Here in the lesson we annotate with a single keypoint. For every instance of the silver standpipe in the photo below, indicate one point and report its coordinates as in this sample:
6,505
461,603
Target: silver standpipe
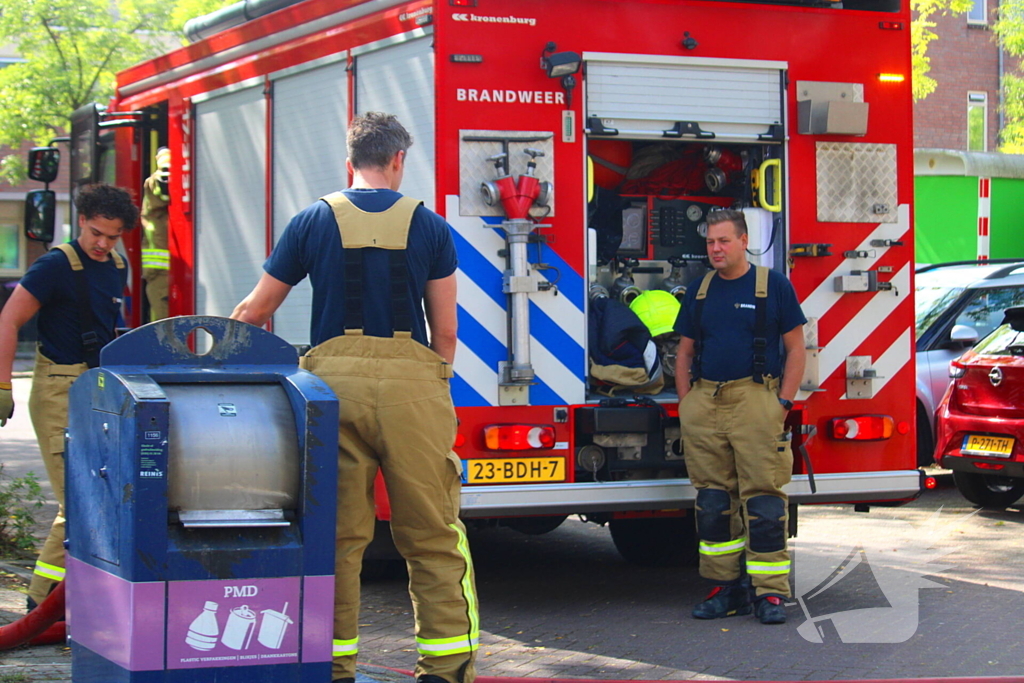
519,284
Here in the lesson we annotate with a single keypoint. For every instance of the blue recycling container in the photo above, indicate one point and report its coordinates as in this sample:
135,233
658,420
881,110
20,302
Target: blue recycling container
201,469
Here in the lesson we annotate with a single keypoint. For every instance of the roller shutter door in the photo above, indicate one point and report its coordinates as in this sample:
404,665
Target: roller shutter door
310,119
231,242
645,96
399,80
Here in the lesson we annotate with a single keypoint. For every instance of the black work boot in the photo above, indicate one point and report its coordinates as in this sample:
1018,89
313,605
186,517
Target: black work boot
770,609
430,678
724,601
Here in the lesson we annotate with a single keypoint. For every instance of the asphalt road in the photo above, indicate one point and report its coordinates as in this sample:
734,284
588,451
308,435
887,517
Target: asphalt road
943,597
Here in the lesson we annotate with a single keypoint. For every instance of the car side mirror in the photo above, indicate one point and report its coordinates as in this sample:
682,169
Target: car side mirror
43,164
40,215
963,336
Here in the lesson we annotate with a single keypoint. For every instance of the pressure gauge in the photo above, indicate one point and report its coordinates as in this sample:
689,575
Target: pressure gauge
702,229
694,213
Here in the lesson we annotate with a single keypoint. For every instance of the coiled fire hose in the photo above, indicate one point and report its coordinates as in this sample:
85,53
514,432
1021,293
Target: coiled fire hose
41,626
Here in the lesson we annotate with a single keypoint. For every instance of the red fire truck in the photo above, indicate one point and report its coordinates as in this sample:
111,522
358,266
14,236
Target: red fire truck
526,116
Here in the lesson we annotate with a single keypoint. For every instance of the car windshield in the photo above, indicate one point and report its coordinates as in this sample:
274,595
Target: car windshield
1004,341
930,302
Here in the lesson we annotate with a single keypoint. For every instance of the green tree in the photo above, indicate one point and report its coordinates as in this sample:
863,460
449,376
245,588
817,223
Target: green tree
73,51
922,33
1009,27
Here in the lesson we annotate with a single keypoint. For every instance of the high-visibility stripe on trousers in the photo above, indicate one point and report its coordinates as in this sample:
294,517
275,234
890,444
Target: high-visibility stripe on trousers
739,458
49,571
723,548
156,258
396,417
345,648
48,407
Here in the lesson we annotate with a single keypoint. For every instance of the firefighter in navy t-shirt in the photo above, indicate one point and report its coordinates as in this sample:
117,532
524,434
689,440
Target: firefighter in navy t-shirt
76,288
732,325
376,260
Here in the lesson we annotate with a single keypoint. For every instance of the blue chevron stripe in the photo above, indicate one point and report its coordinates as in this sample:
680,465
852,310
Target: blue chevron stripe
464,395
477,339
555,339
479,269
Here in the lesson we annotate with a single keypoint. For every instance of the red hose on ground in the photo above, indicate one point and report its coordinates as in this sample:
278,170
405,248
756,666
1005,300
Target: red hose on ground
38,627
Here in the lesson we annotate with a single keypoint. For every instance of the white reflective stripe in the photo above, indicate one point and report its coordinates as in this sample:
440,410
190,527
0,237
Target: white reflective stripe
49,571
723,548
438,647
767,567
343,648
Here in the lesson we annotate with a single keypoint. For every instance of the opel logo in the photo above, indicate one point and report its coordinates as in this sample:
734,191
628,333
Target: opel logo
996,377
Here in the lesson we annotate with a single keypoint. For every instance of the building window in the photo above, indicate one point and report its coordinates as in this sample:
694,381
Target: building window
12,250
977,121
977,14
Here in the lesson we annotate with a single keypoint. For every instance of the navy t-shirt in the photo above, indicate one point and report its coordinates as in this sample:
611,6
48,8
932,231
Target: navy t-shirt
728,324
55,285
311,245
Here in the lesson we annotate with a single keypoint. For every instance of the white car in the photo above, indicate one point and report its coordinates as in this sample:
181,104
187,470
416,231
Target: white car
955,304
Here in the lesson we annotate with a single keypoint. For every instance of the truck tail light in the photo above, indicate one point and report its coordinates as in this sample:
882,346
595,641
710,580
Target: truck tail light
518,437
957,369
862,427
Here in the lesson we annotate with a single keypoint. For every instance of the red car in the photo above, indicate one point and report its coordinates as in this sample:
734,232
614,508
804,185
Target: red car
980,421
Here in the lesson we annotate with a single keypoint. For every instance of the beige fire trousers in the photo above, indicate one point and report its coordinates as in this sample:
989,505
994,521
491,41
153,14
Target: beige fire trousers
738,457
396,415
48,407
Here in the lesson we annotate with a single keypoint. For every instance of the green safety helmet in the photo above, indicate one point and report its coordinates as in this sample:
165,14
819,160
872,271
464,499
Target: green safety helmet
657,309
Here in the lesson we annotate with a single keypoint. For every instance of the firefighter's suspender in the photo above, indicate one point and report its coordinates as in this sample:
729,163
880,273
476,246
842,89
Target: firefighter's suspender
387,230
698,317
760,322
86,319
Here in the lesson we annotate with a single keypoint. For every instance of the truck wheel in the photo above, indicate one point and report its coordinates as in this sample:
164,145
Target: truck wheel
656,541
535,526
925,440
989,490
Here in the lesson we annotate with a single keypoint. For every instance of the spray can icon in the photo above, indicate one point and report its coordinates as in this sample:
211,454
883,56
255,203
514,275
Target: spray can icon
238,630
203,631
273,627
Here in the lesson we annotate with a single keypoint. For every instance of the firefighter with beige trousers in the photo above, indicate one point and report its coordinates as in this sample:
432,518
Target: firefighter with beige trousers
382,268
734,324
77,289
156,258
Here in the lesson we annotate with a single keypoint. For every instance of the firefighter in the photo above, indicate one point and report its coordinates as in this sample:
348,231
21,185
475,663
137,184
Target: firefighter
376,260
155,256
733,324
76,288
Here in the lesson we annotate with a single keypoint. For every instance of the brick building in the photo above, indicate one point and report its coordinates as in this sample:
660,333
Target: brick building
964,111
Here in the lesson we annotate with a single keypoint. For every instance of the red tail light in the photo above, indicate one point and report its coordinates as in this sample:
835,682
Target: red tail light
519,437
957,369
862,427
989,465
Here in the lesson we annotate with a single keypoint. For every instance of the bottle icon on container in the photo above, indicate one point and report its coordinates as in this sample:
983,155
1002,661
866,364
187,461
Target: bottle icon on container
203,631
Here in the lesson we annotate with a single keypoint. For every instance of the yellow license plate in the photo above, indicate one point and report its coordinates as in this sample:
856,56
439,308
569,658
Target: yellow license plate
514,470
979,444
